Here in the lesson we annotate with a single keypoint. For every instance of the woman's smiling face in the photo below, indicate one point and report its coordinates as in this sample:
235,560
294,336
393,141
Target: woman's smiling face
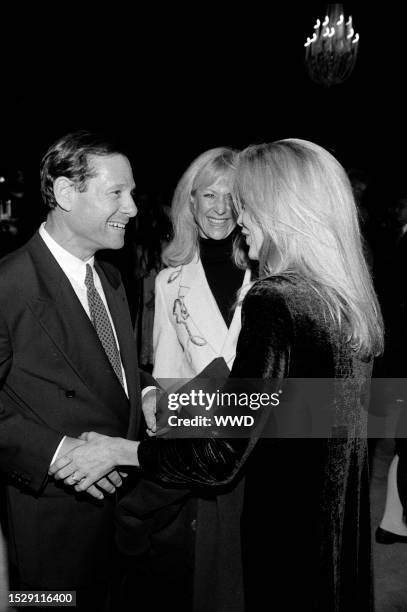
213,210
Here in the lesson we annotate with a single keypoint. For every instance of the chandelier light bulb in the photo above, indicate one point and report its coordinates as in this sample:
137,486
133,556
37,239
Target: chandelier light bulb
331,52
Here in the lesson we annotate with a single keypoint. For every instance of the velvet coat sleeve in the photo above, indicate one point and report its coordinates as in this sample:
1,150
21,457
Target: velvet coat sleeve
263,352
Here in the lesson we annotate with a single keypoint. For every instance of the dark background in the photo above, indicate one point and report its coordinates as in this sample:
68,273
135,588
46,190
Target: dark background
172,82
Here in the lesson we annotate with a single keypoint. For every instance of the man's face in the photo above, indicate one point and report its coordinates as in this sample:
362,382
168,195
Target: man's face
99,215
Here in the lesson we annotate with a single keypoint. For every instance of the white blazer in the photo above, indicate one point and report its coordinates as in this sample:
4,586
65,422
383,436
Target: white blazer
189,330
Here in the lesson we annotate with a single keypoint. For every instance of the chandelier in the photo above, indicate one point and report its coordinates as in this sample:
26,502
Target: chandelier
331,51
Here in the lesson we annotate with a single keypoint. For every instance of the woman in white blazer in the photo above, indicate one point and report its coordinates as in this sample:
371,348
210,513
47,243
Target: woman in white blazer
197,310
197,318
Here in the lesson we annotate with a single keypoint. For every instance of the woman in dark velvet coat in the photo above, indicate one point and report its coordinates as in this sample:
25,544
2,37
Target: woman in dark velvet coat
294,530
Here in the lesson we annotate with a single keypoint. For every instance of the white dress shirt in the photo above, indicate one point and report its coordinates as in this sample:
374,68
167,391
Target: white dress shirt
75,270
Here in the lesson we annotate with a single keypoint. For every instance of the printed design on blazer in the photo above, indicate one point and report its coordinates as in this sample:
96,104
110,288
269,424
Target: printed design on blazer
174,275
181,314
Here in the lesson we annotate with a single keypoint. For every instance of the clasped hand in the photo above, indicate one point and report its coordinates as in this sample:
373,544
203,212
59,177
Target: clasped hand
89,466
89,463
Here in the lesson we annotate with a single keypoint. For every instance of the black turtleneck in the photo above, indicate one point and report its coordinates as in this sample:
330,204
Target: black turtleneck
224,278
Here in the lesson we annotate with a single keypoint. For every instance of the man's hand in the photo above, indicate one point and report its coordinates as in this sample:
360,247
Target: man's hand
94,462
149,406
83,470
67,447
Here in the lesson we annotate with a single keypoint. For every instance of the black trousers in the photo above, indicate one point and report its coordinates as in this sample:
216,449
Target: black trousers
162,577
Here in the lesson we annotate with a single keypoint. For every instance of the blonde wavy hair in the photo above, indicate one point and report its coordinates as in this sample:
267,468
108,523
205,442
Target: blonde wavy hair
204,171
301,197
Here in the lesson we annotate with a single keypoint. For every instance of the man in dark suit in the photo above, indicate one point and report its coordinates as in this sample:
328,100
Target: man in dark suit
68,364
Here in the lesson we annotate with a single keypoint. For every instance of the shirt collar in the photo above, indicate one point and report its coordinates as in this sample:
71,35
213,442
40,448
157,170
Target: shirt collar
70,264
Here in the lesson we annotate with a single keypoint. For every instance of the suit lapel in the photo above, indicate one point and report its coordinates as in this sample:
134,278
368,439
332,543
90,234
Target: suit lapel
229,347
63,318
117,302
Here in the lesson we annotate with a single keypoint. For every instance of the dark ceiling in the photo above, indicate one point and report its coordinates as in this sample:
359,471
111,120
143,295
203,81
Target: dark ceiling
172,88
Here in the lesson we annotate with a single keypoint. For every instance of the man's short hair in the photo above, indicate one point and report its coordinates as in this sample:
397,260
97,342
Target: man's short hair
69,156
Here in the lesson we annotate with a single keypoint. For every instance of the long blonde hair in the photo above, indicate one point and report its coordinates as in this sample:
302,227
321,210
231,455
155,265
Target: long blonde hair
301,197
203,171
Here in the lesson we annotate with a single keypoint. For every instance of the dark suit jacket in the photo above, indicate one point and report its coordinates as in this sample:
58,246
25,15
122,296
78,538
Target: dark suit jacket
55,379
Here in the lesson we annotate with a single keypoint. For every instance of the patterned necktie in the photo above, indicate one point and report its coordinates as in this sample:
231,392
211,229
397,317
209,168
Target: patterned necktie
101,323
